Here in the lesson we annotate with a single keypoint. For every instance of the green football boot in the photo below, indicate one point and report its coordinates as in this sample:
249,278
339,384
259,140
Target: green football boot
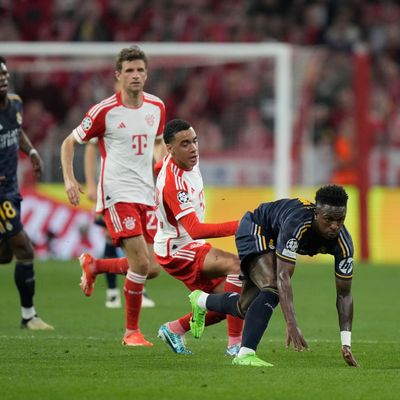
198,317
250,360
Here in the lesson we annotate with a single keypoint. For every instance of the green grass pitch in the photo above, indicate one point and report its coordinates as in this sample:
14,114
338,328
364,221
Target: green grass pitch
84,359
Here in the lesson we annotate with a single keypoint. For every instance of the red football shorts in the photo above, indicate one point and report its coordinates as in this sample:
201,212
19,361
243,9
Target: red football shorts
124,220
186,265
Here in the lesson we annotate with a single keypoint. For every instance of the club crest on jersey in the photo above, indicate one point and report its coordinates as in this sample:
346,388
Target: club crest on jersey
149,119
183,197
9,226
129,223
346,266
86,123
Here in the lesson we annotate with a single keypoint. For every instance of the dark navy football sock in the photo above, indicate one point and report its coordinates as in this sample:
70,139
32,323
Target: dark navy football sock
111,280
225,303
24,277
110,251
257,318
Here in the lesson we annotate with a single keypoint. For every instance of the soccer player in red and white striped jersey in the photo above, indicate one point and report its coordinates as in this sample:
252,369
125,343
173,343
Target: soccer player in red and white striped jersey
179,243
129,128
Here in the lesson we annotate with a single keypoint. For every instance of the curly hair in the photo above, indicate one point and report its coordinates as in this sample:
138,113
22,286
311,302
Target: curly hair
332,195
173,127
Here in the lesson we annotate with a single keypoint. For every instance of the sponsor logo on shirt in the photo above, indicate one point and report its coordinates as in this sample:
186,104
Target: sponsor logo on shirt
183,197
129,223
9,138
86,123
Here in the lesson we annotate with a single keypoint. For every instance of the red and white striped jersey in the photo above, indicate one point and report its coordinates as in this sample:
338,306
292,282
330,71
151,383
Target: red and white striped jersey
178,193
126,138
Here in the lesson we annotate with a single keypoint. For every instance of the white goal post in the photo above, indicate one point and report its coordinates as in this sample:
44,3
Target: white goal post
226,52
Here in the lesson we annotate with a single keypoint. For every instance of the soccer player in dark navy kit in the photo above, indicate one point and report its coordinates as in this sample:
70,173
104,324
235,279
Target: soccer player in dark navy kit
268,241
13,239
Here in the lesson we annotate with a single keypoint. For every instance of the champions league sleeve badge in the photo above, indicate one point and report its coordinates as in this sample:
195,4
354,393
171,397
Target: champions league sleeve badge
183,197
86,124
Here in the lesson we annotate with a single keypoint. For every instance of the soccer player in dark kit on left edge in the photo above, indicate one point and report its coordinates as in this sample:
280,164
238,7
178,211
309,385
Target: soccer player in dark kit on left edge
14,241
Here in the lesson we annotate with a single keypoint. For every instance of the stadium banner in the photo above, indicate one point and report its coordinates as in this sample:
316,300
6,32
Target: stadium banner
384,221
59,230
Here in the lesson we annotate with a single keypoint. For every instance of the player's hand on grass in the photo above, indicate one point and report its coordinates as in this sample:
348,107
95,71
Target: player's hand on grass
73,190
348,357
294,335
37,164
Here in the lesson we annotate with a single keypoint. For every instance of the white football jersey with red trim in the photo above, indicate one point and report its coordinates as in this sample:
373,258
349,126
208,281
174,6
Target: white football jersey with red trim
126,139
178,193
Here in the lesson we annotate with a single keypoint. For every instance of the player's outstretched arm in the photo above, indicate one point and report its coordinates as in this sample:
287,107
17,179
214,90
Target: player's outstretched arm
27,147
344,305
284,272
200,230
72,187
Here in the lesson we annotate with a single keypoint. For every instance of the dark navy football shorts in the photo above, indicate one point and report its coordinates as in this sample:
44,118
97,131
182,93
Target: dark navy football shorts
249,239
10,217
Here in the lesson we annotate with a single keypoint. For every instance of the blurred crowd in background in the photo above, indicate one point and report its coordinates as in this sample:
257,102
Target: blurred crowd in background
232,106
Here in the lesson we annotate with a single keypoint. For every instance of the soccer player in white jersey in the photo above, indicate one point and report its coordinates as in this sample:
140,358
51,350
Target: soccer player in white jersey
129,128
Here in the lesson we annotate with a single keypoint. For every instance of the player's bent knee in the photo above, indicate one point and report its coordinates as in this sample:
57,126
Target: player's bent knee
233,266
154,271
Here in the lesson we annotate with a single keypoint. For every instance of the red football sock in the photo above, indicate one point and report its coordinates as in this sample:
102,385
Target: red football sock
181,325
133,290
112,265
235,324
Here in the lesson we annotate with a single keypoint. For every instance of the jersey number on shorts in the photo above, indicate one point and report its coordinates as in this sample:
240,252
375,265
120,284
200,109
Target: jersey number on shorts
151,221
7,210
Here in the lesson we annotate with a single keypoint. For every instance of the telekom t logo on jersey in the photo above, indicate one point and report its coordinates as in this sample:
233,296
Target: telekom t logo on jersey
139,143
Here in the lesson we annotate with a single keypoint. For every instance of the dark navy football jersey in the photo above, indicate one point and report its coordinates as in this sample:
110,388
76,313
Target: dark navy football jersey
286,227
10,126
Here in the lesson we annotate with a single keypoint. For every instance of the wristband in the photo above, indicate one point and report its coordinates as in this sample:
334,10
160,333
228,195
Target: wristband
32,152
345,337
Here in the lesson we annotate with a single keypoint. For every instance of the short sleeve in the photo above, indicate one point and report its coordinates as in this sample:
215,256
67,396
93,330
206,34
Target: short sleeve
91,126
177,198
344,255
287,242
